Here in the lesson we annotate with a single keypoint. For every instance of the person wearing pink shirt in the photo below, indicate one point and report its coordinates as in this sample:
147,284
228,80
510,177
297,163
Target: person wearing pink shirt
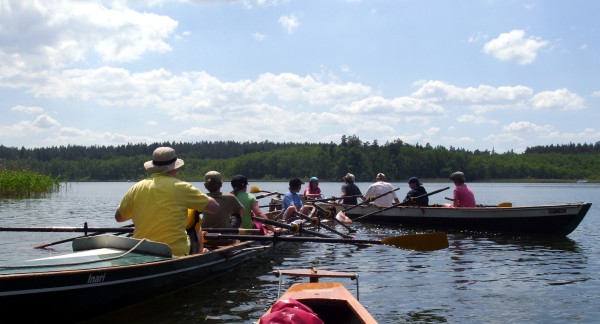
463,195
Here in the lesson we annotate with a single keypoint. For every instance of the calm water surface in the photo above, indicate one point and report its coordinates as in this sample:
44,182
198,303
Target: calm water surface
481,277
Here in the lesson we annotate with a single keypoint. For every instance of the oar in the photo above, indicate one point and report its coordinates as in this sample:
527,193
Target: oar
255,189
396,205
267,195
370,199
128,227
348,228
317,221
332,198
269,205
502,204
416,242
294,227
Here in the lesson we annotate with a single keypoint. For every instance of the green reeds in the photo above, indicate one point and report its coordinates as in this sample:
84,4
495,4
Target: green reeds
26,184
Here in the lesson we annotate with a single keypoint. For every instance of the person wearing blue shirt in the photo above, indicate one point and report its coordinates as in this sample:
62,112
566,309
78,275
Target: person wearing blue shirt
292,202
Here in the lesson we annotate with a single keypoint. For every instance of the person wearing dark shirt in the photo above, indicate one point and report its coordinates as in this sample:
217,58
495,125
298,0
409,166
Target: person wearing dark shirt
416,190
349,189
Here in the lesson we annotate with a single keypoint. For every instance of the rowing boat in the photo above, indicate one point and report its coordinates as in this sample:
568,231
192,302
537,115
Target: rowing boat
316,302
558,219
108,272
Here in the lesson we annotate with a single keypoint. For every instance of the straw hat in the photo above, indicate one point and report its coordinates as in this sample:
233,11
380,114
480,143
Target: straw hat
164,159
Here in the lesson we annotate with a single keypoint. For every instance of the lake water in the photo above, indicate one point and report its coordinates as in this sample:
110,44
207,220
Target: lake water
481,277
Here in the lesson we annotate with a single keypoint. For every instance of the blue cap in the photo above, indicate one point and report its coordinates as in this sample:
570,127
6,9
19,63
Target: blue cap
314,179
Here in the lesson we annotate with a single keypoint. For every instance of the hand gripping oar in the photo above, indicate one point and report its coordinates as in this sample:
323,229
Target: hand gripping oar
294,227
369,200
317,221
396,205
415,242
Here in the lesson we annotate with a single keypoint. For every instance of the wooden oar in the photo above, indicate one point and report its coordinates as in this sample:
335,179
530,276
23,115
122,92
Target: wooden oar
255,189
369,200
332,198
317,221
348,228
294,227
122,230
396,205
270,205
415,242
128,227
267,195
115,229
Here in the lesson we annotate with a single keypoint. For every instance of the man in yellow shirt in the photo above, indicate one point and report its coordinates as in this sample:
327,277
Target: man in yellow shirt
158,205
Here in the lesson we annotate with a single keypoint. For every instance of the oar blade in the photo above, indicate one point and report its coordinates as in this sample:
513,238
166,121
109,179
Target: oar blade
419,242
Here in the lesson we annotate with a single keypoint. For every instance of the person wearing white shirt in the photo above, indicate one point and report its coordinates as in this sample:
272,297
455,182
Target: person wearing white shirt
379,188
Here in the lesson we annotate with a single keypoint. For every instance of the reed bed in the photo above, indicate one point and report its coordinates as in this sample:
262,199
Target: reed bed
26,184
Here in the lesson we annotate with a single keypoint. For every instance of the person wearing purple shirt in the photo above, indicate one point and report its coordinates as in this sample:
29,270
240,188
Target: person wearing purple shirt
463,195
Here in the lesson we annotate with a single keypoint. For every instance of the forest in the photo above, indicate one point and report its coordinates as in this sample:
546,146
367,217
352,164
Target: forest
270,161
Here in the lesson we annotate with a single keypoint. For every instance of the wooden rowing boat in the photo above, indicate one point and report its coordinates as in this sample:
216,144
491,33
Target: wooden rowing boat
559,219
329,302
107,272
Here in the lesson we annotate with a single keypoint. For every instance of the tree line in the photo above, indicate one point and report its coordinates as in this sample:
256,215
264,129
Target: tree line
329,161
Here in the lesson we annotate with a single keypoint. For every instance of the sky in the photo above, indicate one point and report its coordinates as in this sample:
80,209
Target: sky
477,75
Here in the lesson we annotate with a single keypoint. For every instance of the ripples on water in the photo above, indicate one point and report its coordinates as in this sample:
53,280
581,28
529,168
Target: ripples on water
481,277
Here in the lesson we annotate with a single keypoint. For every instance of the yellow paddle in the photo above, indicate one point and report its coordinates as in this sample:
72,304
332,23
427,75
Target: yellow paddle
255,189
419,242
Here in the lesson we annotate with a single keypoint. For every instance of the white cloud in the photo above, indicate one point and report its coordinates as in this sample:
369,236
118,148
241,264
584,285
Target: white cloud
56,34
259,36
458,141
28,109
561,99
440,91
432,131
477,37
289,23
527,127
474,119
515,46
27,128
381,105
503,138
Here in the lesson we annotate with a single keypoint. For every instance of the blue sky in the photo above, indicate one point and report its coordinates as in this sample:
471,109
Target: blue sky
478,75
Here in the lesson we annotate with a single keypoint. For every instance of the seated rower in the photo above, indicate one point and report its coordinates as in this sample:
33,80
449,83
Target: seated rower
313,191
228,215
292,202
